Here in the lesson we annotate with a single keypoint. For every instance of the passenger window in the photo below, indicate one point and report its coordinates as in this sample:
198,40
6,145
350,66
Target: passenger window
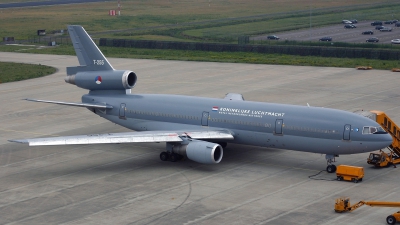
385,122
389,126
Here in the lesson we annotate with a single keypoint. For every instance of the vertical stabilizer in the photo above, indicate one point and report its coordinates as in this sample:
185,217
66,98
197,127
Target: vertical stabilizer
89,55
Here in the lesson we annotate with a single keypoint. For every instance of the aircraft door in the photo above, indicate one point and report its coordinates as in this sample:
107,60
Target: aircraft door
346,132
122,111
204,119
278,126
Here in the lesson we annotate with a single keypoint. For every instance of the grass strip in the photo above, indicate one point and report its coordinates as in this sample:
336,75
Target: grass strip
230,57
10,72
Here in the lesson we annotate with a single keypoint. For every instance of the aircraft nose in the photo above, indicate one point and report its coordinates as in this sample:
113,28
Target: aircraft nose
387,139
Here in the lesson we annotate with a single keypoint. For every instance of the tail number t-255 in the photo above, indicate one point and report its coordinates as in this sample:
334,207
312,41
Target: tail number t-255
98,62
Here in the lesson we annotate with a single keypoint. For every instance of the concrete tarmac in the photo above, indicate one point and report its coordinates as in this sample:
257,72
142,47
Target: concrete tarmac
128,184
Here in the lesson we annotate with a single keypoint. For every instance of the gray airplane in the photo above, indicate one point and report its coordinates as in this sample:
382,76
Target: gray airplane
199,128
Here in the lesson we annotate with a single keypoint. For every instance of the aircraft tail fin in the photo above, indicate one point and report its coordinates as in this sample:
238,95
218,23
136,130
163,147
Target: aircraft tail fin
89,55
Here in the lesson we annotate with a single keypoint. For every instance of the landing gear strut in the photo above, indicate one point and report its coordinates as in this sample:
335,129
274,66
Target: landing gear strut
329,160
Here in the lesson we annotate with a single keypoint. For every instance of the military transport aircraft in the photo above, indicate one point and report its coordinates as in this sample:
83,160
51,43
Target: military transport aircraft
199,128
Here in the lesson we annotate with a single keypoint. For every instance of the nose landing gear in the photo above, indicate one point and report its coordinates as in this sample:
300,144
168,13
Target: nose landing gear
330,159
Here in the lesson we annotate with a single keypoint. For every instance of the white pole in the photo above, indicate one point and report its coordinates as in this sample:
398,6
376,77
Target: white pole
119,8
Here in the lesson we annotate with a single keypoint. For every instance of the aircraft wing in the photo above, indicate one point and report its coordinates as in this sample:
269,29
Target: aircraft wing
128,137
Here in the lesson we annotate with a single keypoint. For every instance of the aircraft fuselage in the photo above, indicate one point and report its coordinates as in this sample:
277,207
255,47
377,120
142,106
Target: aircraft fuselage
301,128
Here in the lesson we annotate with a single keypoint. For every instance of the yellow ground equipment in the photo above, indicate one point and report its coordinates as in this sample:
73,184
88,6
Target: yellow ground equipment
350,173
364,68
383,159
396,70
343,205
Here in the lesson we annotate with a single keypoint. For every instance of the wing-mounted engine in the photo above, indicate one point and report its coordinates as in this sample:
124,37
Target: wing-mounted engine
103,80
200,151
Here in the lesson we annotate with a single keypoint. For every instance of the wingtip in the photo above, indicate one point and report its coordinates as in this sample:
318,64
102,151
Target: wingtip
23,141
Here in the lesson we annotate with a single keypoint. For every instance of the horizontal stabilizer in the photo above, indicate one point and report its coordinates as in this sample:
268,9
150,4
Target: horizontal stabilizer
97,106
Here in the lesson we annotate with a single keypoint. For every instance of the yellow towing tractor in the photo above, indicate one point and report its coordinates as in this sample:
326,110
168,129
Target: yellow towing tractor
383,159
343,205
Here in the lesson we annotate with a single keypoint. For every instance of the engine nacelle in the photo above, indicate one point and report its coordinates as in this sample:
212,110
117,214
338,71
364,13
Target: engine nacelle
103,80
204,152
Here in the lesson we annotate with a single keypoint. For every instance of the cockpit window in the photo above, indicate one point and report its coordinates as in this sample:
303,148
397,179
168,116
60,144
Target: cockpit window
373,130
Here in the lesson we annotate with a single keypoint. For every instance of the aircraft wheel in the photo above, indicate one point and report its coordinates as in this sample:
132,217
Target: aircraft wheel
391,220
173,157
331,168
164,156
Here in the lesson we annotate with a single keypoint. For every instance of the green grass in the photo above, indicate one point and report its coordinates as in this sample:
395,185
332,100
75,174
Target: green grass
233,20
232,57
10,72
22,23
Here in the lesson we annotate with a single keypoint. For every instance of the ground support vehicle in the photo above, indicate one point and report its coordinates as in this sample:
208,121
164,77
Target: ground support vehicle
364,67
343,205
349,173
383,159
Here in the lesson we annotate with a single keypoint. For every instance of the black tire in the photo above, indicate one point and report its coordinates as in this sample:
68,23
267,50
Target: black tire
173,157
339,178
164,156
331,168
360,179
355,180
391,220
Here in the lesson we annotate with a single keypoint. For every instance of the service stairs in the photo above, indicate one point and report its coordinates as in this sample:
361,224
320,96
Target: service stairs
387,124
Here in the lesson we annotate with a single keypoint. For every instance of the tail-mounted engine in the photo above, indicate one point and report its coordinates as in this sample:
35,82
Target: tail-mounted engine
103,80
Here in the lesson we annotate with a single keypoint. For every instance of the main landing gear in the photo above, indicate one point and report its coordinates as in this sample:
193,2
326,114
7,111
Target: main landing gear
329,160
173,157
